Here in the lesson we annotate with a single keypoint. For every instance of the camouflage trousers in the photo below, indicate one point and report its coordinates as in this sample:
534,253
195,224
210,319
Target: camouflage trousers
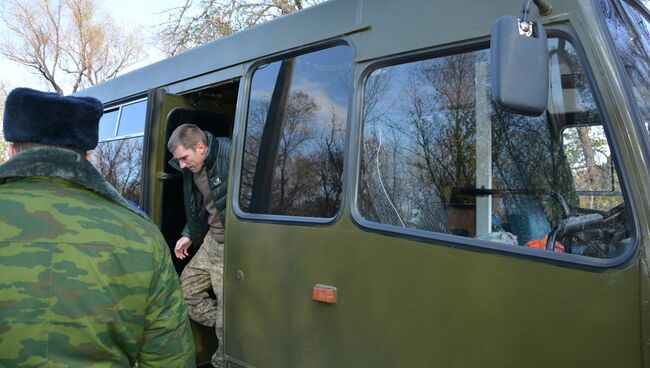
205,271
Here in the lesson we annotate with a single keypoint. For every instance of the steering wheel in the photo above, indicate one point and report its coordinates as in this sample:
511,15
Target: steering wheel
571,225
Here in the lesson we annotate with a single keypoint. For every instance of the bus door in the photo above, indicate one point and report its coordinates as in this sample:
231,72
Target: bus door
288,201
212,109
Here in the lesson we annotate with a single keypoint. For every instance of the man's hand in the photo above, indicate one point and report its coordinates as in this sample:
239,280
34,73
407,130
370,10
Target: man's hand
181,247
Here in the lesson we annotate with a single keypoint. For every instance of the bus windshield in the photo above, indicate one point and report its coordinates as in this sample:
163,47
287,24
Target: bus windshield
630,31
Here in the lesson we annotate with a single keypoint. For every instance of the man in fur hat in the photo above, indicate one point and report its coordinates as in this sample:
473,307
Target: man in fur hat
84,279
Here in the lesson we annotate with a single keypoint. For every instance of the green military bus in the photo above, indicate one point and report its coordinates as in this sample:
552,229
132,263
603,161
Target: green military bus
401,194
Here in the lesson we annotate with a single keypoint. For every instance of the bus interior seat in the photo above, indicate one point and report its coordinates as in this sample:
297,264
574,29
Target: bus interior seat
526,218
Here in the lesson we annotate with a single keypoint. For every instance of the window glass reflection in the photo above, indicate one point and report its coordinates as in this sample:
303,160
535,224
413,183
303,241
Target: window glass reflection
437,156
631,35
293,151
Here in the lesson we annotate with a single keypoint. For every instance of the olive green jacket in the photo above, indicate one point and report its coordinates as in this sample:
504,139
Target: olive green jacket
216,164
84,280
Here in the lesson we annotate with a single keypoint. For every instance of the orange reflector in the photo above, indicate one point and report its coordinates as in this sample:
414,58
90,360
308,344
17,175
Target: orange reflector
324,293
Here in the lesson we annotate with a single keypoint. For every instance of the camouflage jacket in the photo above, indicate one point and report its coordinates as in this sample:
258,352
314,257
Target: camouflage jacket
84,280
217,163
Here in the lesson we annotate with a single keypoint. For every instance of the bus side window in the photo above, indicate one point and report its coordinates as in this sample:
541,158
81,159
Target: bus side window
295,133
438,157
118,156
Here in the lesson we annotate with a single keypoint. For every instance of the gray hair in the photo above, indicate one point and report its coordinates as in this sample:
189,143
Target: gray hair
22,146
186,135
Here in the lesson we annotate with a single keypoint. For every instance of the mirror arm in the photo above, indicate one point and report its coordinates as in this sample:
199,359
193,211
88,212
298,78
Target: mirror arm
543,6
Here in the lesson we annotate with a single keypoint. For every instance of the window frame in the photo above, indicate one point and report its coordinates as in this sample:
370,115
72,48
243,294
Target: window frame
243,126
119,108
117,119
564,31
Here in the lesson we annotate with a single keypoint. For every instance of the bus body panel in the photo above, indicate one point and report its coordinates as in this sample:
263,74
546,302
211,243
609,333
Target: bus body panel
406,303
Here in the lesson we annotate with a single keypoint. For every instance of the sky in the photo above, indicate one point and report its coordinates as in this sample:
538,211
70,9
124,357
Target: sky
126,13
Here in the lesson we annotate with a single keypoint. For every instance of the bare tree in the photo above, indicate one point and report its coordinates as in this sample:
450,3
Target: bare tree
296,132
196,22
120,163
329,161
293,175
67,42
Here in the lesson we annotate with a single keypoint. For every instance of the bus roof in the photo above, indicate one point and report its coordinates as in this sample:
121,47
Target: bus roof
397,26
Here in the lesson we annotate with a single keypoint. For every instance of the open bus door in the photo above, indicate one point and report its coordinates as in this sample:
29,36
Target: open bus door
212,109
160,105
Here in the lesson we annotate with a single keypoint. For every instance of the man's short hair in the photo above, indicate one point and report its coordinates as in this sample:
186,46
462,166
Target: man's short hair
186,135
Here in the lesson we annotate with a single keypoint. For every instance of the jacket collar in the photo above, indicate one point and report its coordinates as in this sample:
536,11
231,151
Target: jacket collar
210,157
59,163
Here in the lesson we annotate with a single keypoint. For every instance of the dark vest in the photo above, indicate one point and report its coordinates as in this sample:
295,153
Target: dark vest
217,164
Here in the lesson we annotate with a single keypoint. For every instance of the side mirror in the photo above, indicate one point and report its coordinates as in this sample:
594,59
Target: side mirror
519,58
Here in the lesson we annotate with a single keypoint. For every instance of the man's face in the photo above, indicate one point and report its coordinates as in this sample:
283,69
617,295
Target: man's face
191,158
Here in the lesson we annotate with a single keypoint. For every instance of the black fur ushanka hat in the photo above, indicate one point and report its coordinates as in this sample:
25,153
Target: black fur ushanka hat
47,118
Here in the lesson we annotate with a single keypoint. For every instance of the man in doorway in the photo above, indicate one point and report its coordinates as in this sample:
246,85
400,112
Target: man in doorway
204,161
84,279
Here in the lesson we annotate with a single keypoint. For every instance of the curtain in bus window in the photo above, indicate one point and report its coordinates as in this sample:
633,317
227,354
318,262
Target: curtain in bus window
293,150
438,157
630,32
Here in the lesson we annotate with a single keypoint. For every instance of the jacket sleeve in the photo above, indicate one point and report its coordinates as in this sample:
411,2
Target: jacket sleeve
186,231
167,339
